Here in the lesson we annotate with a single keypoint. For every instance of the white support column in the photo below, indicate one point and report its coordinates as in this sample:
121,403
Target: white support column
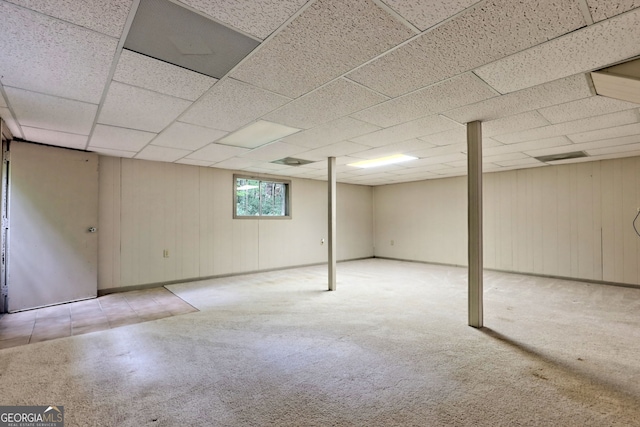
331,182
474,174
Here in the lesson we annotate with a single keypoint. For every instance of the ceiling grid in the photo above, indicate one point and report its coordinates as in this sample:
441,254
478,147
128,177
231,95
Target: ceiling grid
355,80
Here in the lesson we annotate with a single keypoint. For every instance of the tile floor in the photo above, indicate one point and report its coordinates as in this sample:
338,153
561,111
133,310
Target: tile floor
106,312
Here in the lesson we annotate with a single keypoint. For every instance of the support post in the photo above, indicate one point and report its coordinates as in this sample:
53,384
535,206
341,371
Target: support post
331,181
474,189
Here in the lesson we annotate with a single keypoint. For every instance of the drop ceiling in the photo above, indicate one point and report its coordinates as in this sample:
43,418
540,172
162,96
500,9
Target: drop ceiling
360,79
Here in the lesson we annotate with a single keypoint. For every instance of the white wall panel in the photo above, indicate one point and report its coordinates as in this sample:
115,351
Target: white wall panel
425,221
571,220
148,207
109,221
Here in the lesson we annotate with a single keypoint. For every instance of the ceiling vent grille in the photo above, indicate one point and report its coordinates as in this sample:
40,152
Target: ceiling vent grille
171,33
561,156
290,161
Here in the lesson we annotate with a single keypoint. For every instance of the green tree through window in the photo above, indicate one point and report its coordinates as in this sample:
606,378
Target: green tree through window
255,197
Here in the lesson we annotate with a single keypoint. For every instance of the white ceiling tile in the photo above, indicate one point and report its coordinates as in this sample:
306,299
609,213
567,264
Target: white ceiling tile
113,153
588,107
257,17
161,154
456,135
60,139
601,143
334,150
603,9
615,149
46,55
234,163
273,167
333,101
426,14
584,50
136,108
12,124
331,132
498,158
584,146
193,162
517,165
588,124
402,132
458,91
459,164
611,132
397,148
217,153
515,123
445,158
458,171
274,151
159,76
476,37
556,92
440,151
525,146
49,112
187,136
325,41
116,138
231,104
107,17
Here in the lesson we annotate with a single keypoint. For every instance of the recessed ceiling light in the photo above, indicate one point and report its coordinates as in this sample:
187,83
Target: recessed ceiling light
257,134
396,158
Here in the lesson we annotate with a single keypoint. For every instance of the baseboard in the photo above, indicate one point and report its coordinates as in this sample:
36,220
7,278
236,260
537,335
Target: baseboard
547,276
107,291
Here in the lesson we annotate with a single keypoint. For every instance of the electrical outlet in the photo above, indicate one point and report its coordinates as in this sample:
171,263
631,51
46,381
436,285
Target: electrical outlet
165,253
393,242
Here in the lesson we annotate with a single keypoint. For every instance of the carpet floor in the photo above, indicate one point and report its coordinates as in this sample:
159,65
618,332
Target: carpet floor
391,347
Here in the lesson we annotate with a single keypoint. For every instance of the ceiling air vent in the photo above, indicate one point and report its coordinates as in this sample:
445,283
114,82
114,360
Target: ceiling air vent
171,33
561,156
290,161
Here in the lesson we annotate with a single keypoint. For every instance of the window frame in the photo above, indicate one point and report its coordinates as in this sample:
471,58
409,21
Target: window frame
260,180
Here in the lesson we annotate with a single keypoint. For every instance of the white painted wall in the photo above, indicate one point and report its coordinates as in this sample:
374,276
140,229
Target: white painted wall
146,207
570,220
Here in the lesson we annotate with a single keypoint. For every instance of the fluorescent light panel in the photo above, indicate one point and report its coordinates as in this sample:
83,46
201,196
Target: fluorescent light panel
396,158
257,134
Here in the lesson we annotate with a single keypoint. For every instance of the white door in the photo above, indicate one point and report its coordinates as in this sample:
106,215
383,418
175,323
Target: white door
53,204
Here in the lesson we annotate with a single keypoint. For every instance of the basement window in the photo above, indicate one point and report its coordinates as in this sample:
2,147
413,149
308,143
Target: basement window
257,197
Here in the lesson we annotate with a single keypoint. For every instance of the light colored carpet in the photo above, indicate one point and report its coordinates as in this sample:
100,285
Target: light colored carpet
389,348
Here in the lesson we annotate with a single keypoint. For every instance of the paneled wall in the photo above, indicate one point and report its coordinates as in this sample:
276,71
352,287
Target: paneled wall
570,220
147,207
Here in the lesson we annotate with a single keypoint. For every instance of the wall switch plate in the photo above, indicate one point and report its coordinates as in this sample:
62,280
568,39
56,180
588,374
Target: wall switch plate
165,253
